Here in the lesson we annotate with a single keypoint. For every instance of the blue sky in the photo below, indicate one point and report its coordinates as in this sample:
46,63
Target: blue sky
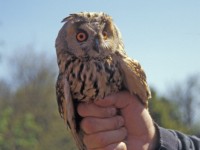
163,35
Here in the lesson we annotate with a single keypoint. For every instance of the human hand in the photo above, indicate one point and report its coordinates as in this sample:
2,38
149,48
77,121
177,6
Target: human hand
104,129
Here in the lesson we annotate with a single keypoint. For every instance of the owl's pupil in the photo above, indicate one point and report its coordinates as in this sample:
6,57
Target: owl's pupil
105,35
81,36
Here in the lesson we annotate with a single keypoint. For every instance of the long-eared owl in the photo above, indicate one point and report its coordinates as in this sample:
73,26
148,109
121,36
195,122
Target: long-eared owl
93,64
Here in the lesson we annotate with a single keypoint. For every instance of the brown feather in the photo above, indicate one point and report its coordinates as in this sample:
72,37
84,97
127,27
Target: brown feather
134,78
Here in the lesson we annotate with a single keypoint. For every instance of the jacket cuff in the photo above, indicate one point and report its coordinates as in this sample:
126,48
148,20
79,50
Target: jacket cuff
167,139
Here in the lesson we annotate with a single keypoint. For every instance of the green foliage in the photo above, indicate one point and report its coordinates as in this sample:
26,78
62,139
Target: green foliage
186,95
29,118
18,133
166,114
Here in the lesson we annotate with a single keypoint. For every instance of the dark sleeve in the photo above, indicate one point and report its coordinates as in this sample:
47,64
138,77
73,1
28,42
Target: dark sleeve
174,140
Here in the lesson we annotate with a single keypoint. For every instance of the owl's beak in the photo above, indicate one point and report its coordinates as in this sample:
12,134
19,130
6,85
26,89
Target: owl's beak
96,44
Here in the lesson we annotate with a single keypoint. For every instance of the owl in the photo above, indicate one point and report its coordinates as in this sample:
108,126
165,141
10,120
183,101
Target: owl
93,64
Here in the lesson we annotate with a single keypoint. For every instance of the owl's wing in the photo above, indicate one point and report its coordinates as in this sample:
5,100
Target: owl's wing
134,79
66,108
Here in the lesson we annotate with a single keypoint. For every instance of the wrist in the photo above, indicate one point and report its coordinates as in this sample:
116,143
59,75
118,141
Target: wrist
148,137
155,138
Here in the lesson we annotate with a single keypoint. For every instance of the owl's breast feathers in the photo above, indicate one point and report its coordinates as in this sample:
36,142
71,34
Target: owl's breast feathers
91,79
88,79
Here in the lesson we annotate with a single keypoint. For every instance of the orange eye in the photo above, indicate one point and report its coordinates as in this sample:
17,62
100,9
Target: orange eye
81,36
105,35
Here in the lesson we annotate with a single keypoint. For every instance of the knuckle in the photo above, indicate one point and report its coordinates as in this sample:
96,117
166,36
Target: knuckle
97,141
88,125
120,121
115,123
86,141
123,132
100,140
81,110
110,112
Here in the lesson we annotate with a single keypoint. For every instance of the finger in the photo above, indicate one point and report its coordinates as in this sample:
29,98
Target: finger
92,110
103,139
115,146
119,100
93,125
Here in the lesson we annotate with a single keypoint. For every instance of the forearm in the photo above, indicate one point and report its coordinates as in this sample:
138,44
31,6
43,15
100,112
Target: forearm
174,140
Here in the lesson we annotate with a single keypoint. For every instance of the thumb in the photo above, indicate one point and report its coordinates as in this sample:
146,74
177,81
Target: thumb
119,100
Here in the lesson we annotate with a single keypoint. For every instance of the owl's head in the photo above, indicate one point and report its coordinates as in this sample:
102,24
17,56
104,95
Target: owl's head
89,34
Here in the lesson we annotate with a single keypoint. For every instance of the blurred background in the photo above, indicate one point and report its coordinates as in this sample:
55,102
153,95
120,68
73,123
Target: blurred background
164,36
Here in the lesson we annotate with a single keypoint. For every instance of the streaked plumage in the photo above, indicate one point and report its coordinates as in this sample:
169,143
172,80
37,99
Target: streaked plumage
93,64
